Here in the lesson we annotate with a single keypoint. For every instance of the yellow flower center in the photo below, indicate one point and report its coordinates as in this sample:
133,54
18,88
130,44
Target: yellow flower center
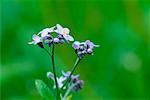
64,32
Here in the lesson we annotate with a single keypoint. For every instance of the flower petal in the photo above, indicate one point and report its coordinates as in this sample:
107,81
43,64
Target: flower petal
96,45
66,30
31,42
36,37
68,37
59,27
76,45
50,75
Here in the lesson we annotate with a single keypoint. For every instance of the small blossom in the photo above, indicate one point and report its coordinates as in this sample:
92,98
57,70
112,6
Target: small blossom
46,32
83,48
36,40
50,75
76,45
59,80
56,40
78,86
90,44
89,50
64,32
74,78
67,74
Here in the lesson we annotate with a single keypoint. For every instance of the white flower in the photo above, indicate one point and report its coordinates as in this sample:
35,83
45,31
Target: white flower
64,32
36,39
59,80
46,32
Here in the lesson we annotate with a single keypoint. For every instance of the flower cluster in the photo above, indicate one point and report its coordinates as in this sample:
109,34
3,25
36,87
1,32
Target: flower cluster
59,35
78,84
83,48
46,36
75,82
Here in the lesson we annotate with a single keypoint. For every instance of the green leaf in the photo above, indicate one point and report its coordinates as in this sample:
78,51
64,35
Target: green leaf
69,97
43,90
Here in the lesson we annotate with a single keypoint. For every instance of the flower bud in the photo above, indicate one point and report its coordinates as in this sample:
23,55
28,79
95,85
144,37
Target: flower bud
78,85
40,44
61,41
89,51
55,40
50,75
81,48
76,45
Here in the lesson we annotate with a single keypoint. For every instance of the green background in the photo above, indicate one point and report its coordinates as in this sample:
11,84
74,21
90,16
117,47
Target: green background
119,69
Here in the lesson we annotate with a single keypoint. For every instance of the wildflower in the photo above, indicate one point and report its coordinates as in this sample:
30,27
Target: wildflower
36,40
50,75
56,40
64,32
59,80
78,86
90,44
76,45
75,78
67,74
46,32
83,48
49,40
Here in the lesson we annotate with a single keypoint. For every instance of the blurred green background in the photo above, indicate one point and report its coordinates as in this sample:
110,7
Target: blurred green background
119,69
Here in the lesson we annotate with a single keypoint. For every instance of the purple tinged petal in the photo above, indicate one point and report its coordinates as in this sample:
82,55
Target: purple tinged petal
90,44
50,75
76,45
66,30
78,85
89,50
68,37
66,74
36,37
60,81
59,27
56,40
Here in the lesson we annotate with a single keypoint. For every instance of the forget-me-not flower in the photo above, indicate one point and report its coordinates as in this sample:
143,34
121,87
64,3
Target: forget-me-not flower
36,40
46,32
59,80
64,32
83,48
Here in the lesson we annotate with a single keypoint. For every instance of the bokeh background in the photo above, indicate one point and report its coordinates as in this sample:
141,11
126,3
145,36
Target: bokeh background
119,69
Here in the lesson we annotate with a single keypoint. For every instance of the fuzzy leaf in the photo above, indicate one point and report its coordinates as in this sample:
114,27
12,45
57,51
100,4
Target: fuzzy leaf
43,90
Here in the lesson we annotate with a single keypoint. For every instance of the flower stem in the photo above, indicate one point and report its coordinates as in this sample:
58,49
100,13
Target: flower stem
53,64
73,69
68,91
47,52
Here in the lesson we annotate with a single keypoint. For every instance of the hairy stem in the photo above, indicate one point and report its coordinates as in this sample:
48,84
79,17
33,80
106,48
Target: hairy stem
73,69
